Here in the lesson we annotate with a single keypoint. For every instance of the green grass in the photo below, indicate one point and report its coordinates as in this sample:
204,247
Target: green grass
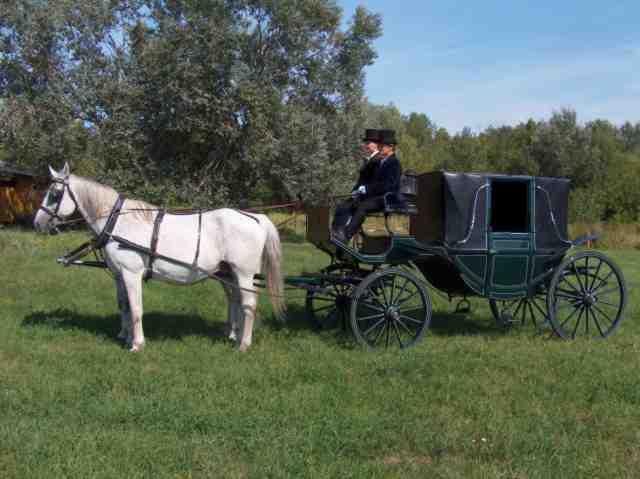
468,401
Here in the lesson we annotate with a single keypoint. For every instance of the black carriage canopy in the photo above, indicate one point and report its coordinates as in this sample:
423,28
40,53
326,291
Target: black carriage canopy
457,209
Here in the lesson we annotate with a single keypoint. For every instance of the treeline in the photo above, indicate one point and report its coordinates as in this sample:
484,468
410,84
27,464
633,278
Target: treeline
225,102
601,159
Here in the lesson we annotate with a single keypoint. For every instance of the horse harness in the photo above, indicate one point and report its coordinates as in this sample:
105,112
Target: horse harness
96,245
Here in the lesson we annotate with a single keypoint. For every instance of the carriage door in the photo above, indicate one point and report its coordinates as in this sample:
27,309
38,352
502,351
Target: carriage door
510,236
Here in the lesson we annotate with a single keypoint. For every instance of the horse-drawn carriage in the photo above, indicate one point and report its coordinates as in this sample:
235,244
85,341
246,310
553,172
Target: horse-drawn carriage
500,237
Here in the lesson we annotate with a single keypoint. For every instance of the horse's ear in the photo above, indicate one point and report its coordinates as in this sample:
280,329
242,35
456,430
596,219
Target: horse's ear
66,170
53,172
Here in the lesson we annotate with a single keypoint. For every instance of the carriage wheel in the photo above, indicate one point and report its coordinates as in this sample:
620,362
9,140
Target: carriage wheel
587,296
517,312
390,308
330,307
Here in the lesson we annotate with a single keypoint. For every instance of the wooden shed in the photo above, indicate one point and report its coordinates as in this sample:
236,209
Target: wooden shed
21,192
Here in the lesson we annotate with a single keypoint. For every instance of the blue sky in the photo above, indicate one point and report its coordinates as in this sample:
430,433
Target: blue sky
500,62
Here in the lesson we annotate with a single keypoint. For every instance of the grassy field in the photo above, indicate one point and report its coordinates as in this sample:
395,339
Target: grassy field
468,402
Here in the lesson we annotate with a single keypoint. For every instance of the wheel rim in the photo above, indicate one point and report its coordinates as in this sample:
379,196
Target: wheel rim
519,312
390,309
587,297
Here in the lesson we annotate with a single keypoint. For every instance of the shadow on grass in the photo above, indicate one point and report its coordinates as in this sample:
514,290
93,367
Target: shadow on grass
461,324
442,324
156,325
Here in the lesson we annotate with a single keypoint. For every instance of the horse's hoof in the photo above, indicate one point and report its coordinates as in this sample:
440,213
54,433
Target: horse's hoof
136,348
243,348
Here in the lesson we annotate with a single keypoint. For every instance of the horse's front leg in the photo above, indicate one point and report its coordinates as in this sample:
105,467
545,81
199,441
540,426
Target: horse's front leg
133,285
125,310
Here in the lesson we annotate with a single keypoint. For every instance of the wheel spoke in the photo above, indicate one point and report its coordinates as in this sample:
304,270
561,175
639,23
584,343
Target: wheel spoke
386,344
568,297
603,281
322,298
393,288
404,300
577,275
324,308
595,275
395,328
508,305
373,296
543,312
371,306
409,318
597,323
586,276
403,289
575,329
609,291
611,321
380,332
371,328
565,279
373,316
406,328
575,310
606,303
533,316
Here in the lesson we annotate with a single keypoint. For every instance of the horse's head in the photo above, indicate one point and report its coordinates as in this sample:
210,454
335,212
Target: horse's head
58,203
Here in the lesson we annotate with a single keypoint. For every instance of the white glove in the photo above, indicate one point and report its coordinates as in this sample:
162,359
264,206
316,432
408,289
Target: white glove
362,190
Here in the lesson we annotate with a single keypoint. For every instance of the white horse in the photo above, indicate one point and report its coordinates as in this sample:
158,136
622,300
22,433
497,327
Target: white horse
189,247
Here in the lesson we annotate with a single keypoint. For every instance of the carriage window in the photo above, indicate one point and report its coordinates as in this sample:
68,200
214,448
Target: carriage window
510,206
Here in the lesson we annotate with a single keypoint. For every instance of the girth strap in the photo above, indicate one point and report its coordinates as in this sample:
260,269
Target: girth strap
195,259
104,236
154,244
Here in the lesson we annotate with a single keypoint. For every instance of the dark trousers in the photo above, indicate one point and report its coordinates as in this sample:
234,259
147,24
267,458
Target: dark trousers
357,211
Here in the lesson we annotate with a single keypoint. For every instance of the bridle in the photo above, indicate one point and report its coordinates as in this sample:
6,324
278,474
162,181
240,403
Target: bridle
59,197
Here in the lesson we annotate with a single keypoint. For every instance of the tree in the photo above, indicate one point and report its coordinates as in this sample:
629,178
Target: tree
183,101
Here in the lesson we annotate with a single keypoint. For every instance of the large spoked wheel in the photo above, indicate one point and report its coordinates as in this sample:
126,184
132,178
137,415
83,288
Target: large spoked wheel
587,296
329,307
390,309
520,311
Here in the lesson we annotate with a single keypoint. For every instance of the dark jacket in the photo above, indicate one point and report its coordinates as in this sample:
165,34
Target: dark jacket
386,178
367,172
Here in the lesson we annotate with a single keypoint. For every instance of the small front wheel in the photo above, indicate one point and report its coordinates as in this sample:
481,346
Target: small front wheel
329,307
390,308
518,312
586,297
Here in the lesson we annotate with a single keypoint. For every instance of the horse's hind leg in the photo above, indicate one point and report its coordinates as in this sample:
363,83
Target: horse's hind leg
125,310
133,285
233,308
249,302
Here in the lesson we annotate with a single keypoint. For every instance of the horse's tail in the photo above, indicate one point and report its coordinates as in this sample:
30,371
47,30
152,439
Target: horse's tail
271,261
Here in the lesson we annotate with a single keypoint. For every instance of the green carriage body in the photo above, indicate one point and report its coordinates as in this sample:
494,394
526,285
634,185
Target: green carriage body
490,235
501,235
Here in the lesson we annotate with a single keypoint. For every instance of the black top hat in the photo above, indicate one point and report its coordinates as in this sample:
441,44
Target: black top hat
371,135
387,137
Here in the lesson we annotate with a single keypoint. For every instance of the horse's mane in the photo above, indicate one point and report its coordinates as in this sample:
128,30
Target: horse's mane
98,200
